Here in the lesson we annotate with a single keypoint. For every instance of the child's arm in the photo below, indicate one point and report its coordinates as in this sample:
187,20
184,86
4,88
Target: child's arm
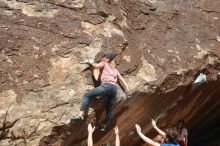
98,65
186,137
146,139
117,140
156,128
124,84
90,132
95,65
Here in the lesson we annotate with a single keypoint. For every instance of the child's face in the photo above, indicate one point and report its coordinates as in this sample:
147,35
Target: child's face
180,125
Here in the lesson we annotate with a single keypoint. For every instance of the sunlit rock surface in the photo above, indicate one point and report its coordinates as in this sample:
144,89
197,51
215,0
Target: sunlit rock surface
160,46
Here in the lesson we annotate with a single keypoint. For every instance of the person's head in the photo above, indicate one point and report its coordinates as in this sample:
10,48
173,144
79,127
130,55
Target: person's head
159,138
108,56
180,124
171,136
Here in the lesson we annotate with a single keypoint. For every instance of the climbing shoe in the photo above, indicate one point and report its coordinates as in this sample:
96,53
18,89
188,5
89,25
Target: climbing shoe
104,128
76,118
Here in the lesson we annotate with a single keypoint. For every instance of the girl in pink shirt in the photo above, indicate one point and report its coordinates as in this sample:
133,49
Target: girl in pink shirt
109,76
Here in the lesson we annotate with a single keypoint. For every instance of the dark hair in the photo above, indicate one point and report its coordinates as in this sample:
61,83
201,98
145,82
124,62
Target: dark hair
181,121
171,136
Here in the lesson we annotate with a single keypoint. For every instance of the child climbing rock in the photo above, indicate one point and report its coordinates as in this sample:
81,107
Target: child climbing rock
109,76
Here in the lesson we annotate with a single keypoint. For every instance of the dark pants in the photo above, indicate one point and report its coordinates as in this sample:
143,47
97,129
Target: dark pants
107,90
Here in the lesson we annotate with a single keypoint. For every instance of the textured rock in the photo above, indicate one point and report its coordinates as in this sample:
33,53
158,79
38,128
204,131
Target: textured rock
160,47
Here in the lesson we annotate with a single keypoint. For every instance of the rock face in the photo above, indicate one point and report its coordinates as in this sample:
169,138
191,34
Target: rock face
160,47
198,104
